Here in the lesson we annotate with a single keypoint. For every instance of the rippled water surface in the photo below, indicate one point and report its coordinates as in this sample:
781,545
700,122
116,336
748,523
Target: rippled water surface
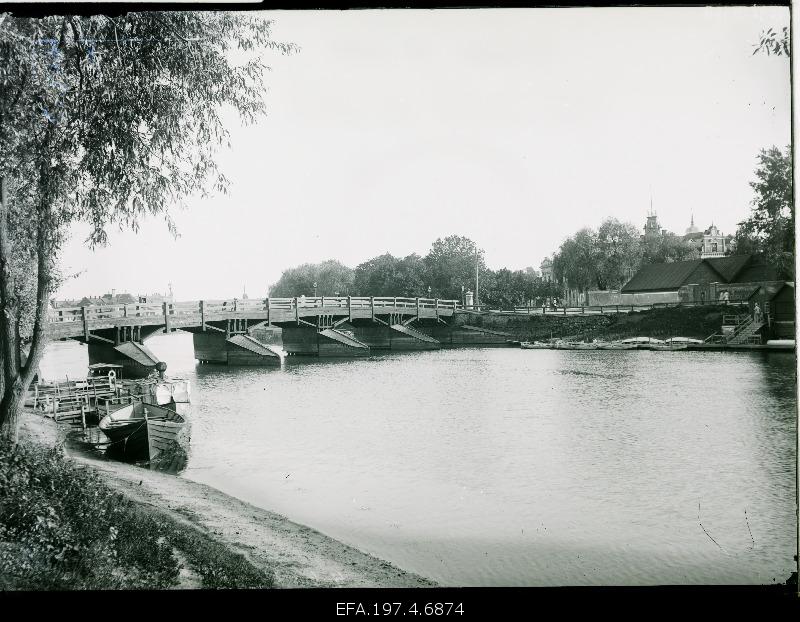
511,467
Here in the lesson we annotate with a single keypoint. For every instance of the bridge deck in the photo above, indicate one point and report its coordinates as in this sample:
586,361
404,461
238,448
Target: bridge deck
78,321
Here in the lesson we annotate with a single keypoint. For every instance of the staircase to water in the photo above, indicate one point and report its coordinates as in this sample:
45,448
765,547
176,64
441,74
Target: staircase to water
745,331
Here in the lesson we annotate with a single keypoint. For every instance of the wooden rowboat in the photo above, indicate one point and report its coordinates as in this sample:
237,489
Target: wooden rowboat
616,345
140,430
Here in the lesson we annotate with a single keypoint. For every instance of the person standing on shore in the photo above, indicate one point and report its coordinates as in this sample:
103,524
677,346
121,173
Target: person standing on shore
757,314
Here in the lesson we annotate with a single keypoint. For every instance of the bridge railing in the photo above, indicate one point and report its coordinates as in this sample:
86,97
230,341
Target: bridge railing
100,312
196,307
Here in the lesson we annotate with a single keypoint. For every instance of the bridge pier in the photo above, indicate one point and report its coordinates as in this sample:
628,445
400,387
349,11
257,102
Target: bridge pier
137,361
213,347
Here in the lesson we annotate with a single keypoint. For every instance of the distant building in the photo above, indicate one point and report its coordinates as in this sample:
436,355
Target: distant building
776,301
711,242
691,228
156,297
547,269
700,280
651,228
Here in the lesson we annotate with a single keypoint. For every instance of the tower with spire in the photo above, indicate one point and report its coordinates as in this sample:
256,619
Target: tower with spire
651,227
692,228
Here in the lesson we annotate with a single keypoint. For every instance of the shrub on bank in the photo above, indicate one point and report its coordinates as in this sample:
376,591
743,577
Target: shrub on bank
61,527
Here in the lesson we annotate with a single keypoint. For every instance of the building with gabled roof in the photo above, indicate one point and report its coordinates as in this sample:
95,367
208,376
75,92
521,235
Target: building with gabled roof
671,277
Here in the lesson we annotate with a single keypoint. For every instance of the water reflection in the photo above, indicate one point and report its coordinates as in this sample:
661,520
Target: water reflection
515,467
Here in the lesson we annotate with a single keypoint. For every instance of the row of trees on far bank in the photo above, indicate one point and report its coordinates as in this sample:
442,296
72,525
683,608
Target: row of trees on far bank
447,272
608,257
591,259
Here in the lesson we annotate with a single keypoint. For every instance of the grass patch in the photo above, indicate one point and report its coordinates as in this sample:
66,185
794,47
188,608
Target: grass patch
62,527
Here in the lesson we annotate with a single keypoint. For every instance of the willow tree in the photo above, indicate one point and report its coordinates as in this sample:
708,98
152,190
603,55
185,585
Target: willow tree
104,120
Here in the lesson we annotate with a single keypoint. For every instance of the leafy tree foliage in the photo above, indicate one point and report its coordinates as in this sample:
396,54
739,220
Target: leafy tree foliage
507,289
773,42
104,120
387,275
619,253
602,259
668,248
575,263
770,227
332,278
451,264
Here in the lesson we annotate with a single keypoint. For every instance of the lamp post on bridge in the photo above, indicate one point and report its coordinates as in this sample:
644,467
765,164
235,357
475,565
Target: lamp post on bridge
315,289
429,291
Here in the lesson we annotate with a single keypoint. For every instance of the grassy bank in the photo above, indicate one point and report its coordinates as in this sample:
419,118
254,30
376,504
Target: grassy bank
61,527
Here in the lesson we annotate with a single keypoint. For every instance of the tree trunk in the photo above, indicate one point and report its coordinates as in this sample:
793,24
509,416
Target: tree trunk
10,410
11,395
17,378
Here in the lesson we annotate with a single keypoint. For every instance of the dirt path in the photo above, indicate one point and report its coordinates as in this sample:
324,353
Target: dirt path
297,555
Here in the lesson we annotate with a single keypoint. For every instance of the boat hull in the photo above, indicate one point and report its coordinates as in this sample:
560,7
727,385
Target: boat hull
144,431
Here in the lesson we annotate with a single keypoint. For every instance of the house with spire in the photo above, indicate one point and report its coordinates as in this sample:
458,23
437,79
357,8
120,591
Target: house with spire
710,242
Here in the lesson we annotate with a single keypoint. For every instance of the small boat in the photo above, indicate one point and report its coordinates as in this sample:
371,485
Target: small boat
535,345
644,343
140,430
574,345
684,340
669,346
617,345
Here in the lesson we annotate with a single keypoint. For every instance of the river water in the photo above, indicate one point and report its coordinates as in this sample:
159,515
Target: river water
509,467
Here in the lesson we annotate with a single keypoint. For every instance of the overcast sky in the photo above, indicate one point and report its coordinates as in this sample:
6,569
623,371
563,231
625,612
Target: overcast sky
512,127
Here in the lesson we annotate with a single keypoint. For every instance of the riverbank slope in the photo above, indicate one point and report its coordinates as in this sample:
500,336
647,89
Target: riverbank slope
295,555
694,322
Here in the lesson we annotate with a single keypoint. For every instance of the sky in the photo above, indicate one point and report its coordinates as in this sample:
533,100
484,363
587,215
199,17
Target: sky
513,127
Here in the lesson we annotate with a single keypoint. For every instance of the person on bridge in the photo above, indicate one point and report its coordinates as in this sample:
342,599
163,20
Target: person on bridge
757,314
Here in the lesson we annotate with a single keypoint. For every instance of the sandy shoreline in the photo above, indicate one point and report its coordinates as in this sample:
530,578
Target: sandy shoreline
297,555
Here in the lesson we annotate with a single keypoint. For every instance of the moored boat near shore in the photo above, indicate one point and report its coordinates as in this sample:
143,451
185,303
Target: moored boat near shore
617,345
669,346
535,345
140,430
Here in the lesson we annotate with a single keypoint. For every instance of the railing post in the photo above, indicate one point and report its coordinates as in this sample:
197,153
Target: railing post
349,309
203,315
436,306
166,317
269,321
565,309
85,324
601,309
124,310
417,306
372,306
322,301
296,311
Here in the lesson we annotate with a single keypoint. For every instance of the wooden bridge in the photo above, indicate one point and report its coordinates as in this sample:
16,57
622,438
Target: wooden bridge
114,324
